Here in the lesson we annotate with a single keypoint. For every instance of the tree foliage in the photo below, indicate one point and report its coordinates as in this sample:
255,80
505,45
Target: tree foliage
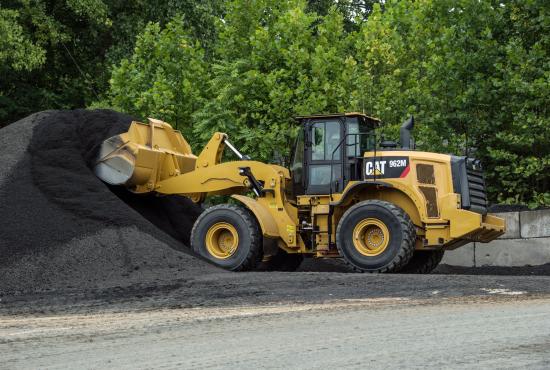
58,54
17,51
45,40
476,75
164,76
287,62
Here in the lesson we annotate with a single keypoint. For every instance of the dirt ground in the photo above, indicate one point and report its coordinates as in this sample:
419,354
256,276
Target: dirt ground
282,320
259,288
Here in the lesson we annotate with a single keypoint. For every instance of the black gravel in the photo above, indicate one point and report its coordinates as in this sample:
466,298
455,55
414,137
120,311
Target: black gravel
64,149
54,209
540,270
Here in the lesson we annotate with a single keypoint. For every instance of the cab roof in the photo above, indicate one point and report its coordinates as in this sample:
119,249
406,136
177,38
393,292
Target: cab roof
372,120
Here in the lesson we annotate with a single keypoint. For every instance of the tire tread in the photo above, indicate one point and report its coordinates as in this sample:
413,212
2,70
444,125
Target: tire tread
254,256
407,247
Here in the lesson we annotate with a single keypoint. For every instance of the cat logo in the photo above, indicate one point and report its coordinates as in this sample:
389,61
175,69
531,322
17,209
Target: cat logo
387,167
375,169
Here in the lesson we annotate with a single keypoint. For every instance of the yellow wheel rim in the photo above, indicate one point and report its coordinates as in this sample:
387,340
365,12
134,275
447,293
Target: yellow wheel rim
371,237
222,240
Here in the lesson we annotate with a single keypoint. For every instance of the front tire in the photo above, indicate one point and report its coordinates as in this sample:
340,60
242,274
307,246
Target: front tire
229,236
376,236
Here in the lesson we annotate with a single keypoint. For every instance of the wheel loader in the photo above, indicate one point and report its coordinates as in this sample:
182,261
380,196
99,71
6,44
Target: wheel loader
379,206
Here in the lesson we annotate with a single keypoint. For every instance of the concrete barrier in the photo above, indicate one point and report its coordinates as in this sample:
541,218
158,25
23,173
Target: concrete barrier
535,224
526,242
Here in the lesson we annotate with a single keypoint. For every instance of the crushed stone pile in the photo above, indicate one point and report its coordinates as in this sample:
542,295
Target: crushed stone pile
62,228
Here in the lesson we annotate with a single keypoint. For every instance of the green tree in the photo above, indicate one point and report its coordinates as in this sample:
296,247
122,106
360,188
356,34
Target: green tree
476,76
164,78
518,152
354,11
58,54
50,38
276,61
17,51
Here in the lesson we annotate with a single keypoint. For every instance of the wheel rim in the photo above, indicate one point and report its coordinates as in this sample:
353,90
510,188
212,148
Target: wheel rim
222,240
371,237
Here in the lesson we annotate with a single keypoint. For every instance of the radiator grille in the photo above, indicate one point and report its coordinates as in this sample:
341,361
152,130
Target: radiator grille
476,188
468,181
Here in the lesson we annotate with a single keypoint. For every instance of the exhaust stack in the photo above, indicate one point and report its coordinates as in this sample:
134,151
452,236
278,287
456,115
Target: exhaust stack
405,133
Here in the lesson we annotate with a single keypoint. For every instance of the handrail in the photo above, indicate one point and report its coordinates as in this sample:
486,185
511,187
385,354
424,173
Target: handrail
344,156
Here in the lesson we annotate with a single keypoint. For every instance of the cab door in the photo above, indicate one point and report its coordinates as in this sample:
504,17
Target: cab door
323,156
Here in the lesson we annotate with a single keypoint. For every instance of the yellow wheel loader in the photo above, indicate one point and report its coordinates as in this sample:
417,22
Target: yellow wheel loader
380,207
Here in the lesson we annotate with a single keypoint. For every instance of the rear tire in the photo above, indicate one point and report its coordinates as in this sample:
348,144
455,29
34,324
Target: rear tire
423,262
228,236
375,236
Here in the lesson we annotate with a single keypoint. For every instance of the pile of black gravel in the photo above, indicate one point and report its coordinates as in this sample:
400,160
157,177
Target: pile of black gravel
61,227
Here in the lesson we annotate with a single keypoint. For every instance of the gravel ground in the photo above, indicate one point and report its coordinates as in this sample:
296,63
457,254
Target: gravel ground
286,320
337,265
259,288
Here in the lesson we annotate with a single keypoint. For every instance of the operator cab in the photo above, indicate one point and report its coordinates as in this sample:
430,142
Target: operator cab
329,151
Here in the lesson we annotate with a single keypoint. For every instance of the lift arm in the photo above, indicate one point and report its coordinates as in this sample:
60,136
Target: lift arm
156,158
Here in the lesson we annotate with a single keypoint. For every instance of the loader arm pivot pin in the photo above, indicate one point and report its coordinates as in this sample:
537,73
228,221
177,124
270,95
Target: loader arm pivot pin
255,185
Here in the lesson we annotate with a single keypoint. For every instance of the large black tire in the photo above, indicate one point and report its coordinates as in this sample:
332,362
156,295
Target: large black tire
423,262
226,222
281,261
396,249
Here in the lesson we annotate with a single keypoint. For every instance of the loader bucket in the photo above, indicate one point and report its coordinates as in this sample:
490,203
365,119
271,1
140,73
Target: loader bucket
143,156
115,166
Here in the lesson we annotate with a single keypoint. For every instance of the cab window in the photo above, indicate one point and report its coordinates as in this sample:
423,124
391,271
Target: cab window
325,137
357,145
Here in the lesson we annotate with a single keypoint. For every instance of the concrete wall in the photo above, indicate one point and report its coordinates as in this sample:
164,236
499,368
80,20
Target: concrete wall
526,242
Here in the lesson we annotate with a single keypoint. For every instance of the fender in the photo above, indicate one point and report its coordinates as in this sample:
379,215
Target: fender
360,185
264,217
393,194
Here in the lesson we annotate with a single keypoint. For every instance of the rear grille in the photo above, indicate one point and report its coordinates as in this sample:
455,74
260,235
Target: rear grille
468,181
476,187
